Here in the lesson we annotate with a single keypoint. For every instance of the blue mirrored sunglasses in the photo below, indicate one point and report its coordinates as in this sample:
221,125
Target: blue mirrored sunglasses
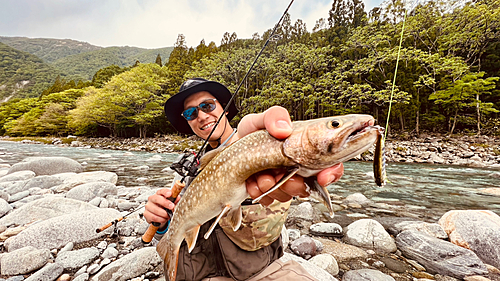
205,106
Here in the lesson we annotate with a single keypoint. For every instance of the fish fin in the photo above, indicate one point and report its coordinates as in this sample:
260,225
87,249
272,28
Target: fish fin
212,227
235,216
191,237
286,177
207,157
319,192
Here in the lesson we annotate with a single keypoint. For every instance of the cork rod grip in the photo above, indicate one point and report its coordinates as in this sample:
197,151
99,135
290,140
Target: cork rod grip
153,227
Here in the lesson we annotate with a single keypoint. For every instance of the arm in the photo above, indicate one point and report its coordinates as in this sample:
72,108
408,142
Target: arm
276,120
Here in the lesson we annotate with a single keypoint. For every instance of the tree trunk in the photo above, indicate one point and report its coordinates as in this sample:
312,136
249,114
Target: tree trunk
478,115
401,121
454,121
417,124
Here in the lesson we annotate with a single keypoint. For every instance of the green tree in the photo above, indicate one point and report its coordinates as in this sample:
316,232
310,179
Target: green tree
158,60
465,93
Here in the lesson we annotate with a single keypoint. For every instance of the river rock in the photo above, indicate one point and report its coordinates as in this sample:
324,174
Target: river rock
4,207
439,256
326,262
357,198
71,260
91,190
18,176
366,275
326,229
432,229
49,272
57,232
24,260
87,177
476,230
304,247
319,273
370,234
45,208
341,251
132,265
303,211
110,253
47,165
491,191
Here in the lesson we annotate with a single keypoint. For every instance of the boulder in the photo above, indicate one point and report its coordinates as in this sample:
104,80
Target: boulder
47,165
476,230
24,260
91,190
58,231
132,265
439,256
45,208
370,234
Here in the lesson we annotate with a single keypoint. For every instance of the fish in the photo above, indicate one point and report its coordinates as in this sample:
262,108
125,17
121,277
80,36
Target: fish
219,189
379,159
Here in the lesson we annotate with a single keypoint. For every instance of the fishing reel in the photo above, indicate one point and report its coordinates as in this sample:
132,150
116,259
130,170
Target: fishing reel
184,165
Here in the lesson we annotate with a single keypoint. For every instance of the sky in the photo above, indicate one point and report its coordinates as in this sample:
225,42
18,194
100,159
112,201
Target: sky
153,23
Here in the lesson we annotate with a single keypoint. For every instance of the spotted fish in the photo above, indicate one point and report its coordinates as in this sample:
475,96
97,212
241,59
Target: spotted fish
219,189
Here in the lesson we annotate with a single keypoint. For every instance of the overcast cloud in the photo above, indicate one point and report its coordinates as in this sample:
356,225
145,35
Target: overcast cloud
152,23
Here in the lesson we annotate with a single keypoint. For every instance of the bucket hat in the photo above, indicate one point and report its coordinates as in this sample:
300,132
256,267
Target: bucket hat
175,105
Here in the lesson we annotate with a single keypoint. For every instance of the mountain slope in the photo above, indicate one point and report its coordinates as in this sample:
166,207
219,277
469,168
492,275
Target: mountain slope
23,74
85,65
49,50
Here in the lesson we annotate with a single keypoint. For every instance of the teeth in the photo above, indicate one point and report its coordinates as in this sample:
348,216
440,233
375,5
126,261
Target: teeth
207,126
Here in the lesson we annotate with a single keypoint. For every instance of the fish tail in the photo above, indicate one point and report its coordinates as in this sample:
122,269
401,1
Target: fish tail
171,261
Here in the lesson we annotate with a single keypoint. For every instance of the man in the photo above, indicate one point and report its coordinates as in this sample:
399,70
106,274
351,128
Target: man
195,110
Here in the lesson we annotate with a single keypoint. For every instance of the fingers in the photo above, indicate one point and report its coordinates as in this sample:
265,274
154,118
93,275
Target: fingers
157,203
329,175
276,120
260,183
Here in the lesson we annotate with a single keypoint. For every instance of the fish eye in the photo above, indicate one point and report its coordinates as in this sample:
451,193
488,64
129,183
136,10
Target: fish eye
334,124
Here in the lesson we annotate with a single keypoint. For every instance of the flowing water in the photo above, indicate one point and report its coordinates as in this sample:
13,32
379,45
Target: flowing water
434,189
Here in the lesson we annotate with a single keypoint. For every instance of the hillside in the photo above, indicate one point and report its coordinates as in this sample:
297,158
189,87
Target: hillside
23,74
49,50
85,65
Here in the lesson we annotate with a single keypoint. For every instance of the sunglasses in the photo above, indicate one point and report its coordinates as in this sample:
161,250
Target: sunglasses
205,106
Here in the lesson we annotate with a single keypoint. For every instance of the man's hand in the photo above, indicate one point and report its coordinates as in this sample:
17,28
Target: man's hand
157,203
276,120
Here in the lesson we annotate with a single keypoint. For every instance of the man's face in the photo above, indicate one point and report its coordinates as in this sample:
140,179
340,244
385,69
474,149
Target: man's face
203,124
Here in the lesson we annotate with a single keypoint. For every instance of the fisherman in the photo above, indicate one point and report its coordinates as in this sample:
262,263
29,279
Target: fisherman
248,253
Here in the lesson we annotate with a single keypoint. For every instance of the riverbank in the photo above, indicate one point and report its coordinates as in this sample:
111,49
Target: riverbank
51,206
473,151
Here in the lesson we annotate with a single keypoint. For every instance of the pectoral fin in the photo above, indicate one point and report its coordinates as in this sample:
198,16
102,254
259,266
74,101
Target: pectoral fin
234,218
224,211
286,177
319,192
191,237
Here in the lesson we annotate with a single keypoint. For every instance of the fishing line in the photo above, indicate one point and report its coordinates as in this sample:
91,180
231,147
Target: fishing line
395,72
226,109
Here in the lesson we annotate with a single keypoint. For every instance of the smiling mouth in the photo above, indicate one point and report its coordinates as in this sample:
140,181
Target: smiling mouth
207,126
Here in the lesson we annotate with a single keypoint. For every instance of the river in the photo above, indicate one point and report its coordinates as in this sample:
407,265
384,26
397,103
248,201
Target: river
425,188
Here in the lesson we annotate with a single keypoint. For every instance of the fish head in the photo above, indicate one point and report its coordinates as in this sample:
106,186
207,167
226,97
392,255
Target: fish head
321,143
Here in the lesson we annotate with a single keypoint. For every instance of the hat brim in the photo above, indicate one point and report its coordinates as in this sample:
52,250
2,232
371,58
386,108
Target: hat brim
175,105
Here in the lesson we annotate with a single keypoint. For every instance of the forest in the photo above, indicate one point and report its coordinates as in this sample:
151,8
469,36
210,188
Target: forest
445,81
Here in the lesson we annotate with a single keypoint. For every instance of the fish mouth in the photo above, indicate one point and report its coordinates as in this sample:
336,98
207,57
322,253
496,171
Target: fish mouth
361,129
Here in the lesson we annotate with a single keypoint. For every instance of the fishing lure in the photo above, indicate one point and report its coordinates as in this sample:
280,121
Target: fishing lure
379,159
